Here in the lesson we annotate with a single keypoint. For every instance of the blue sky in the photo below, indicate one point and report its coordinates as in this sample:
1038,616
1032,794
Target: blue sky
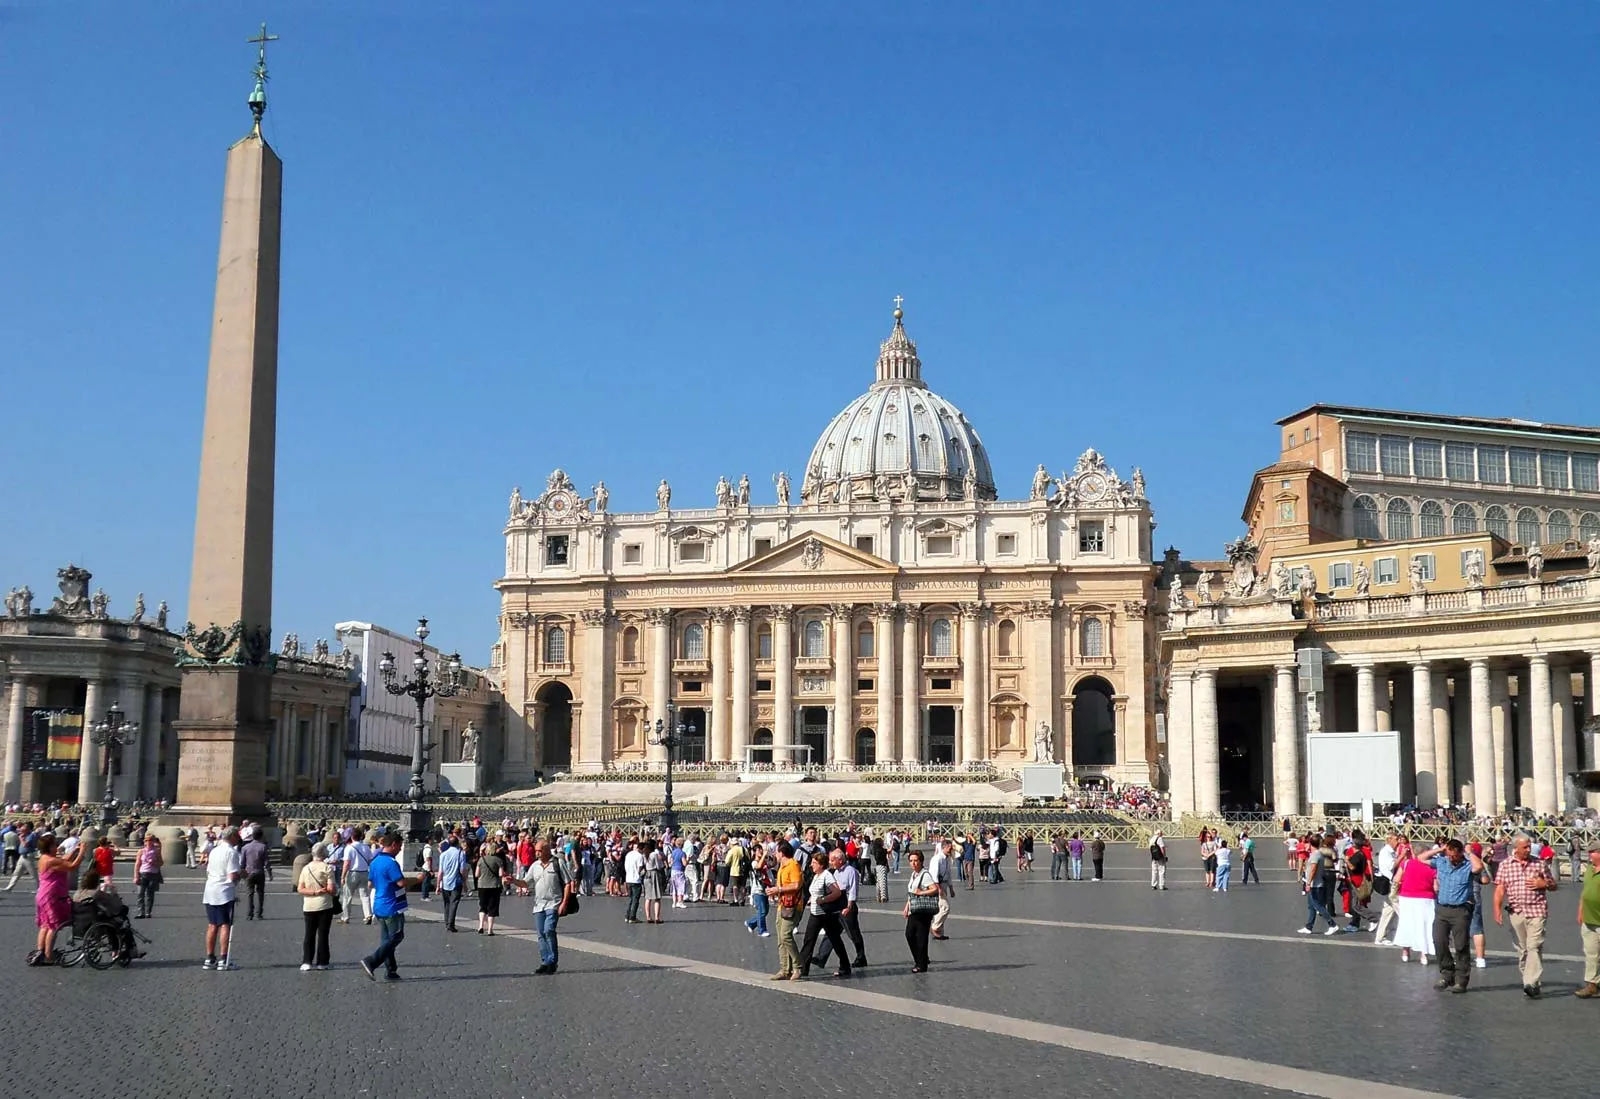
645,240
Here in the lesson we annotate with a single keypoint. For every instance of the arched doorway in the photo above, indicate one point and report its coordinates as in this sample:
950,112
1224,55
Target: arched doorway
1094,724
555,725
866,747
758,755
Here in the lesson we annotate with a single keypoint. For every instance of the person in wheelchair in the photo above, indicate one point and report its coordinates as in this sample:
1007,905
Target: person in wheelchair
97,901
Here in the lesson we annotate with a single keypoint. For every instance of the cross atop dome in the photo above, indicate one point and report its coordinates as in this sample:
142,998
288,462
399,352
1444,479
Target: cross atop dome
898,363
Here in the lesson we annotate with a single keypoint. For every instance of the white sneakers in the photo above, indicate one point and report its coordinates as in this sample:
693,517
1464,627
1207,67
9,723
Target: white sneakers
1480,963
1302,931
1333,929
304,968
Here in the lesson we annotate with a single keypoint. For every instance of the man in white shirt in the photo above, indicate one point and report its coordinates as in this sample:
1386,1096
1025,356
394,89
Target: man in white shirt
223,867
939,869
633,877
845,876
357,867
1383,885
994,857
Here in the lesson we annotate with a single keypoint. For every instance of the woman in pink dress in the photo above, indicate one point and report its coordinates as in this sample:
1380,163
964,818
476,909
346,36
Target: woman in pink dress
1414,881
52,904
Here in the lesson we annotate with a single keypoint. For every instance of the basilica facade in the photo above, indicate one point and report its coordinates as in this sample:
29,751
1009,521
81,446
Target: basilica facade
888,612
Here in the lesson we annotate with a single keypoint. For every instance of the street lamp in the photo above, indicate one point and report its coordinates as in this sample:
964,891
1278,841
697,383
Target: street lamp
670,734
421,687
113,730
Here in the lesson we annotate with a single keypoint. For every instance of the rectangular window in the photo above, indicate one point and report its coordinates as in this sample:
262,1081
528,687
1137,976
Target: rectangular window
632,554
1429,568
939,684
1586,473
1092,536
1524,466
555,549
1553,468
941,545
692,551
691,686
763,545
1005,545
1396,453
1492,465
764,645
865,543
1361,452
763,685
1386,570
863,685
1426,456
1339,575
1458,462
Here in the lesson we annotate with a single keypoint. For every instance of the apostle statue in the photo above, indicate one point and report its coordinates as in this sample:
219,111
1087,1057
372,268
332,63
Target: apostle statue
663,494
1041,484
1474,568
99,603
1176,601
1308,583
1138,483
969,484
1282,582
602,497
1535,561
138,608
1415,571
469,743
1202,587
1043,752
781,480
744,490
724,493
516,501
1594,552
161,615
1363,578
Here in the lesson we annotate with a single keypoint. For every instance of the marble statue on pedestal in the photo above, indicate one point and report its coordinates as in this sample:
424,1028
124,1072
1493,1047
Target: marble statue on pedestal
1363,578
744,490
1202,587
138,608
1593,553
781,480
1535,561
1043,750
1041,484
602,497
469,743
663,495
161,615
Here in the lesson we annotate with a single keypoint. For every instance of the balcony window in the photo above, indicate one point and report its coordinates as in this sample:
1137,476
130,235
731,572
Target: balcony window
1396,453
941,638
1093,632
1458,462
555,645
814,639
1426,458
1524,466
1492,465
1361,452
694,641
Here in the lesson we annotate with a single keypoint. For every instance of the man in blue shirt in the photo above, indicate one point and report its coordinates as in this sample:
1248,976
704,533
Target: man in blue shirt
388,883
1452,919
451,862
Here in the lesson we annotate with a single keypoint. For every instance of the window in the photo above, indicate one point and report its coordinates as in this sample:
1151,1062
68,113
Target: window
694,641
763,685
1361,452
1005,545
1339,575
555,645
1430,520
1559,526
1426,458
814,639
1005,638
941,545
1586,473
1397,520
1307,439
1492,465
691,686
1093,632
1395,451
1524,466
1289,441
632,553
692,551
939,684
763,545
1527,527
1365,511
1588,526
630,645
864,686
764,643
555,549
1458,465
865,647
865,543
1463,520
1430,570
1553,468
1495,521
1386,570
941,638
1092,536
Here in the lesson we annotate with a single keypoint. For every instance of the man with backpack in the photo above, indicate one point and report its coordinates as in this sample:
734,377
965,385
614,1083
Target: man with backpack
997,851
1158,860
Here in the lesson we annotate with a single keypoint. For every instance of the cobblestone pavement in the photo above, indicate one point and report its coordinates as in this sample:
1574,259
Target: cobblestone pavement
1088,989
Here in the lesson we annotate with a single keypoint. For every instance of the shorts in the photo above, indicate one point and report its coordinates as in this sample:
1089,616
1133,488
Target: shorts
489,902
220,915
1475,926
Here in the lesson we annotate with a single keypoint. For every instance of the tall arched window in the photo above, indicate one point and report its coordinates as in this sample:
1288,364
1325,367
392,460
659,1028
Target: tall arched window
814,639
764,642
1463,520
694,641
630,645
1094,724
1496,522
1588,526
1527,526
1560,526
864,647
1430,520
555,645
1005,639
1365,510
1094,637
941,638
1397,520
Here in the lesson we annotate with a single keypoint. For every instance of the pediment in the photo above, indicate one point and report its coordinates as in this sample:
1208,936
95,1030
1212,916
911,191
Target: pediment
812,553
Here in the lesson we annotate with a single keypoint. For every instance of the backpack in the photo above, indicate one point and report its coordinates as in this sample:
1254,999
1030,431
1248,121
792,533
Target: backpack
1003,846
1157,852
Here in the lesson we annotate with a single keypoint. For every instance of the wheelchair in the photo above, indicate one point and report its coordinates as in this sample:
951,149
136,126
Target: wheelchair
100,938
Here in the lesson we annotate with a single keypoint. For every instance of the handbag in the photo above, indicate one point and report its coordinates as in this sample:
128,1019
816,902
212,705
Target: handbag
923,902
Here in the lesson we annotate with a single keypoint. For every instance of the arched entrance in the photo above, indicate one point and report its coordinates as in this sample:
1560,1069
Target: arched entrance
555,725
866,747
758,755
1094,724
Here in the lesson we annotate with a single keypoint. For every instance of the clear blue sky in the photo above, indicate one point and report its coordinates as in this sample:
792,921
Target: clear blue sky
661,239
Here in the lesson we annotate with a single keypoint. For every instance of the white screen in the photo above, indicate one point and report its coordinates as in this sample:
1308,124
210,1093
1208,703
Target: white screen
1352,767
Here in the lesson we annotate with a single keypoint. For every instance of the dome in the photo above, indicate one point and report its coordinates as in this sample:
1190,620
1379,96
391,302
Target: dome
898,440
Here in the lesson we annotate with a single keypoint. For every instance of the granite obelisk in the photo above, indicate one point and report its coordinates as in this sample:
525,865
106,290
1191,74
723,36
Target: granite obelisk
225,719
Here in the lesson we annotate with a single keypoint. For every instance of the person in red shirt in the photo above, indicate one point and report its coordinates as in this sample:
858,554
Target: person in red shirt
105,857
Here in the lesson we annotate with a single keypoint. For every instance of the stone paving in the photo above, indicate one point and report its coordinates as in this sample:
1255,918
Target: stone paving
1042,986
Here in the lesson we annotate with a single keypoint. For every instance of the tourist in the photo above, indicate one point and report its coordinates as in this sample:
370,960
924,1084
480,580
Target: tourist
452,862
1075,857
1158,860
1480,878
825,902
1523,884
223,867
1224,863
1208,856
786,891
192,847
1097,855
357,875
104,858
257,861
102,894
879,850
315,885
147,874
633,877
734,865
1058,856
845,877
11,840
1414,882
1247,856
1356,879
762,866
1383,885
923,895
939,867
1454,869
691,869
553,890
677,865
430,856
1318,888
969,856
388,905
491,874
52,902
27,854
655,881
1025,854
1589,924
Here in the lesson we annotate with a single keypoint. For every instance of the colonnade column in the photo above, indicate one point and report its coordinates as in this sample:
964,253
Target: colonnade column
741,684
1040,617
1366,699
971,682
150,743
1592,684
1485,792
1564,736
782,677
89,754
886,740
130,696
1207,750
596,713
911,684
1180,742
1506,790
842,744
1545,779
1382,703
12,787
1445,780
1286,740
719,739
1424,763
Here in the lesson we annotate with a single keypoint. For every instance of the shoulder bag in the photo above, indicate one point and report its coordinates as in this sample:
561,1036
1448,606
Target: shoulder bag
922,902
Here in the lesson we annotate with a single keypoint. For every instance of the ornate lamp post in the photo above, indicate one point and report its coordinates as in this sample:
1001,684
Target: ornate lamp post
670,734
113,730
421,686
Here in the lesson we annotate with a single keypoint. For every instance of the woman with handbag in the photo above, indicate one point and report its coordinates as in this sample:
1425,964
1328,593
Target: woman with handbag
787,894
147,874
655,882
826,904
319,902
922,901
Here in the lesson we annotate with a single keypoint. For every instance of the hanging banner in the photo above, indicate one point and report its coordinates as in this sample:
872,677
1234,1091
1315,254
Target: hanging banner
53,739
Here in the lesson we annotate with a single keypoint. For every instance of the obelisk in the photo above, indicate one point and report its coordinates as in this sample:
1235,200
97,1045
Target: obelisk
225,721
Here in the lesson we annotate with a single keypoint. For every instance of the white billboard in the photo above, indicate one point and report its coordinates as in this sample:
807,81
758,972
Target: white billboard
1345,768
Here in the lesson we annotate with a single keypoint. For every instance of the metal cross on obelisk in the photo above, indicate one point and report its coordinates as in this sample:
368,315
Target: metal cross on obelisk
258,96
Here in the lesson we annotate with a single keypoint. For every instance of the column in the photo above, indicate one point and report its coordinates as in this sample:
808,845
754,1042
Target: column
1286,741
841,748
1382,703
660,622
130,696
782,678
719,738
1506,790
1445,781
89,760
1460,736
1366,699
289,728
319,747
12,790
1040,618
911,685
1207,751
1545,779
971,683
1180,742
596,712
150,744
1422,735
741,684
1565,736
1592,685
1484,788
886,743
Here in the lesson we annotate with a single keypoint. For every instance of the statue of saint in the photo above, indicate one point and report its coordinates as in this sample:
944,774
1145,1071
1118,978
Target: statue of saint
744,490
1138,483
1043,752
1535,561
161,615
1363,578
663,494
724,493
1415,570
1594,553
1282,582
1202,587
99,603
1176,601
516,501
781,480
1041,484
602,497
138,608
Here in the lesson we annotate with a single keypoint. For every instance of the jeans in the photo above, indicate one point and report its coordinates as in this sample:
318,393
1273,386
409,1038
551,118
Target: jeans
1316,906
917,927
544,922
149,882
635,891
1224,871
452,902
994,871
314,947
256,891
1250,871
427,884
392,932
10,863
894,861
1450,936
1056,860
966,872
758,922
1077,868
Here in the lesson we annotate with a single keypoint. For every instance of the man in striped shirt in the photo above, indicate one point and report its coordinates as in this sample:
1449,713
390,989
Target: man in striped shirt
1523,882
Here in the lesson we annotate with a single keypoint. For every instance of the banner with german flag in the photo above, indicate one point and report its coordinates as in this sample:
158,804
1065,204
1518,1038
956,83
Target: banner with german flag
55,740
